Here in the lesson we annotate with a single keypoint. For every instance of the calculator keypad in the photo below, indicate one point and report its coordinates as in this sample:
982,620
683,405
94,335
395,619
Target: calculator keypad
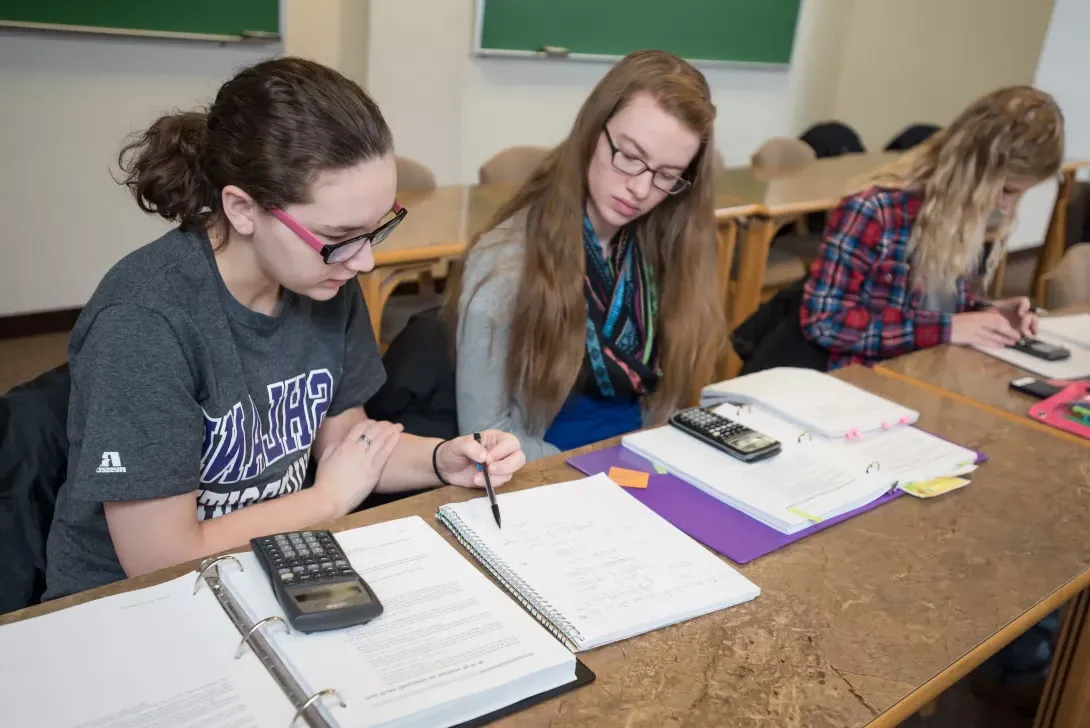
306,557
721,429
729,436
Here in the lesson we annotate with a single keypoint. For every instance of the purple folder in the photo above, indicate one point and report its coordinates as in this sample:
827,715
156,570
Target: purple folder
739,537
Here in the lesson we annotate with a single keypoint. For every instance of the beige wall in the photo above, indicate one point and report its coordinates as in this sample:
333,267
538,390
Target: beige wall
820,43
333,32
924,61
68,102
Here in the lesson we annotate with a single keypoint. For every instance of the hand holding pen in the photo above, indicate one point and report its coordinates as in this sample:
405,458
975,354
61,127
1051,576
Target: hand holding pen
488,486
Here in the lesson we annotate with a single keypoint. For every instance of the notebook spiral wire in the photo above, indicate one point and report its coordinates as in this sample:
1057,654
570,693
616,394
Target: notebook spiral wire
538,607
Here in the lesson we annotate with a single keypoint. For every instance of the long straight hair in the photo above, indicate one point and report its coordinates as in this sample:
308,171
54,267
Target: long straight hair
677,238
960,172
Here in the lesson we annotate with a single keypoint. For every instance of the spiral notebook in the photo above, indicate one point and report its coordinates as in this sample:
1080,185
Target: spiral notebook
592,564
211,650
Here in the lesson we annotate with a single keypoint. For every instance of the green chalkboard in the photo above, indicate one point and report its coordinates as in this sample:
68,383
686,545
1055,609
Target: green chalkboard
159,17
744,31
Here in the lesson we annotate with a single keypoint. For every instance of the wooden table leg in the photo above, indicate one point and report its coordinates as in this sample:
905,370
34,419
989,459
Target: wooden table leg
1053,249
371,283
1066,699
752,261
727,241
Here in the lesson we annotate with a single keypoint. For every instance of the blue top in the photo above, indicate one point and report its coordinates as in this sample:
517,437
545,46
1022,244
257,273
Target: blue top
583,420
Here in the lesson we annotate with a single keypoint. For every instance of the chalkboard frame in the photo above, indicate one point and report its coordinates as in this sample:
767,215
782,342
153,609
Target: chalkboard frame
249,37
561,54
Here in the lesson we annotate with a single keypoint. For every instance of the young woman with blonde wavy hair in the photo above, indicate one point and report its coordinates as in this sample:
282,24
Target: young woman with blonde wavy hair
894,268
588,306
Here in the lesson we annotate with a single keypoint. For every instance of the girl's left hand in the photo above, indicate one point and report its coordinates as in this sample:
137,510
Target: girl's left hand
499,451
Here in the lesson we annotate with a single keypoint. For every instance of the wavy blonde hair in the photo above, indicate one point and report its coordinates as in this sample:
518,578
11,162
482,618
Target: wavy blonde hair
677,238
1016,131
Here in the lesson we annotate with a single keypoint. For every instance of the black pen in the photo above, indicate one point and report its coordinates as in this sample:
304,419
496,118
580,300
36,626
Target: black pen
488,487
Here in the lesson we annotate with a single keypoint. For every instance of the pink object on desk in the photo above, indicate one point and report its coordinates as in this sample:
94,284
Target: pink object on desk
1056,410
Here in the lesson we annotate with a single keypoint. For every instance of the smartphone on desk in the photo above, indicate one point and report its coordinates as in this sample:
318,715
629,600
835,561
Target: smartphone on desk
1041,349
1034,387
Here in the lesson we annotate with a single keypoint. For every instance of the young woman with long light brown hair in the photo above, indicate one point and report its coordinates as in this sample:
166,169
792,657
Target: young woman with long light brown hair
589,305
894,268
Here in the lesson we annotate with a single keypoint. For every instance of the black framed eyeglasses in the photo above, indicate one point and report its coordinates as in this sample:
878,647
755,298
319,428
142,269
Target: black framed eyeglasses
668,182
333,253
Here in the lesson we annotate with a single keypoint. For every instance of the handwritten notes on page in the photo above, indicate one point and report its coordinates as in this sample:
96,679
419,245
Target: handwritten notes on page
598,562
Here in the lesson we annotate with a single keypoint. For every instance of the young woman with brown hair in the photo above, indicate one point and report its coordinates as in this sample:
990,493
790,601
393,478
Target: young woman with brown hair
210,364
589,305
894,268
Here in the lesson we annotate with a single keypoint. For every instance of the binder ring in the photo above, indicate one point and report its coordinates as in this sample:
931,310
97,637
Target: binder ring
246,637
209,563
740,407
875,466
807,436
314,698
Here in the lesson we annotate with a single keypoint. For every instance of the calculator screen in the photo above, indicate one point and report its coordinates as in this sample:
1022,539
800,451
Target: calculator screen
752,442
333,596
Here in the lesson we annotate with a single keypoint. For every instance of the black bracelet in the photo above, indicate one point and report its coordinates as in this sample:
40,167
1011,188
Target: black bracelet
435,465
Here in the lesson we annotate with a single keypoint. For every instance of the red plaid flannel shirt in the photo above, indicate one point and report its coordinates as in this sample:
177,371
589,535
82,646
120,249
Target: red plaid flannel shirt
858,303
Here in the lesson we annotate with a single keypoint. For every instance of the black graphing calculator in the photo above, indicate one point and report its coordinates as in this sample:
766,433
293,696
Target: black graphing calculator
731,437
316,586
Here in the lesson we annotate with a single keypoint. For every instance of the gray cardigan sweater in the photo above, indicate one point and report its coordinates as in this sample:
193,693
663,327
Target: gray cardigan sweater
483,336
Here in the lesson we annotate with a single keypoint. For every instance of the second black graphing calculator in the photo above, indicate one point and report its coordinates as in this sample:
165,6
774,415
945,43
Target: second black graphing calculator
316,586
733,438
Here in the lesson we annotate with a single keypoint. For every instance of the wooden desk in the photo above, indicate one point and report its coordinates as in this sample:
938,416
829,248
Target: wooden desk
968,373
438,227
782,196
862,624
441,222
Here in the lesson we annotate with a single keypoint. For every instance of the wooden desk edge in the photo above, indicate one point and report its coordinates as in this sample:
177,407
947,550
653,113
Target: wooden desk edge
734,212
942,681
419,254
1024,421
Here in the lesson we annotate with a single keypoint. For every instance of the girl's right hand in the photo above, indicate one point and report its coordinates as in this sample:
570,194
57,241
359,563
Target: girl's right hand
982,328
350,470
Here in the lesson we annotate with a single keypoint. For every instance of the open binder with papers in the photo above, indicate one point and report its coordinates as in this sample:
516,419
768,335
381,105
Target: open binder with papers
817,402
211,649
825,469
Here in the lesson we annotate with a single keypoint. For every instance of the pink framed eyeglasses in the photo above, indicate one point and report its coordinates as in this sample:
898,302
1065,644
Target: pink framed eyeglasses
342,251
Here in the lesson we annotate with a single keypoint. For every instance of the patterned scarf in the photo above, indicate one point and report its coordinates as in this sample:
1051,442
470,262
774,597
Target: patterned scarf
622,305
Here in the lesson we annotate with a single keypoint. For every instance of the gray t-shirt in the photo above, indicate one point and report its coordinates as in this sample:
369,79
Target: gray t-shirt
176,387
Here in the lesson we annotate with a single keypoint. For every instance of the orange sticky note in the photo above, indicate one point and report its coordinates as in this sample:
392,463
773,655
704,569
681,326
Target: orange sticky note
628,478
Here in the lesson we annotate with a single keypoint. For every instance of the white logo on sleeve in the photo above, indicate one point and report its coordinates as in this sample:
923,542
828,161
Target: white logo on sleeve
111,463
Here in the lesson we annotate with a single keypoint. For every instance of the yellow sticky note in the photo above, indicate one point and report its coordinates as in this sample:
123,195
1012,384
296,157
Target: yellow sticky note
628,478
932,488
803,514
661,469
